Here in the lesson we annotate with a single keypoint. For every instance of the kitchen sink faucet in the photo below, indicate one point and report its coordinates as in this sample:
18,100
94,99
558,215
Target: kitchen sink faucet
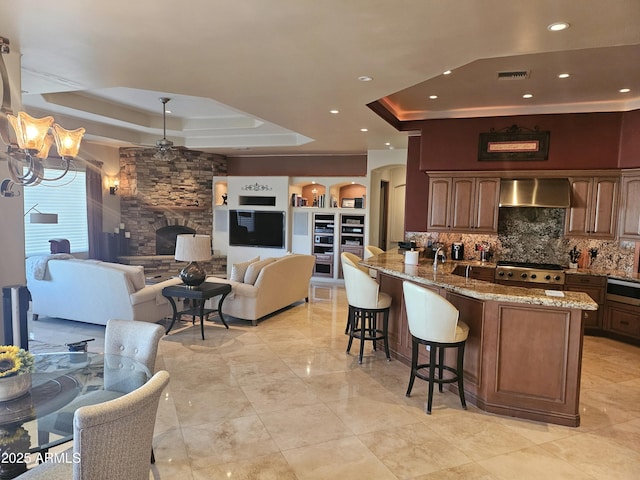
439,251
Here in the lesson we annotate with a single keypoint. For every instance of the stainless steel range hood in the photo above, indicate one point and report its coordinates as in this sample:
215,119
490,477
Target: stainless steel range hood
535,192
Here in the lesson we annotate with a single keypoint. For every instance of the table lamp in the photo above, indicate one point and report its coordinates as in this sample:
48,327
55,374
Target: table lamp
193,248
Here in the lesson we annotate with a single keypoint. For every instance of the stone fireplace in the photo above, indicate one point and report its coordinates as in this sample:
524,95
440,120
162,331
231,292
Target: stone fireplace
166,238
160,199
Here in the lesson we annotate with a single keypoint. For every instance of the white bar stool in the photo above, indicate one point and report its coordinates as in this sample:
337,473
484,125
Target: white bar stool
433,321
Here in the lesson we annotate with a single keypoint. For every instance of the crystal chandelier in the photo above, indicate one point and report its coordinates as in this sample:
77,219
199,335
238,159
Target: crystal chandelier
34,137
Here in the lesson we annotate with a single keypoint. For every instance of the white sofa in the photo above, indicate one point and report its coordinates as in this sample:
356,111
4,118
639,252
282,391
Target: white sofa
275,283
92,291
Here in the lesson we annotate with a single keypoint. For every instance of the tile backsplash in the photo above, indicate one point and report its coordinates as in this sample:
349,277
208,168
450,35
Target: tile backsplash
535,235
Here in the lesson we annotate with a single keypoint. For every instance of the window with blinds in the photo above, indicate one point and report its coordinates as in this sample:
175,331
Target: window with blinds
67,198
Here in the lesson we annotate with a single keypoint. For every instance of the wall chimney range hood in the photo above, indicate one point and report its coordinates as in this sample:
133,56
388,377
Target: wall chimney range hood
535,192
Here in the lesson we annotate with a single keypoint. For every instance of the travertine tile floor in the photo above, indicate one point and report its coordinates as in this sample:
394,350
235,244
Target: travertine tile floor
284,401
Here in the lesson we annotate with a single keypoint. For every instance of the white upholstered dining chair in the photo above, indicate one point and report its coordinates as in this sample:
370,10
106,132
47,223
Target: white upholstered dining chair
111,440
126,338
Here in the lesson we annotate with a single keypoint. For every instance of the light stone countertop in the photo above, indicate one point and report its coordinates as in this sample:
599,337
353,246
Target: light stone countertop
393,264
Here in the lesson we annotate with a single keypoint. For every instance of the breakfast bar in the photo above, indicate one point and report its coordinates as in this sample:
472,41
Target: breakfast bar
524,351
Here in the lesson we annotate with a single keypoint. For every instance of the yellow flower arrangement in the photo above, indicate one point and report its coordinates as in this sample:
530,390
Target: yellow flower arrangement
15,361
7,437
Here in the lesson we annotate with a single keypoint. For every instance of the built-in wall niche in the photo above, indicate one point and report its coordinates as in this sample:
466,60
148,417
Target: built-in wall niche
342,194
220,193
309,195
351,195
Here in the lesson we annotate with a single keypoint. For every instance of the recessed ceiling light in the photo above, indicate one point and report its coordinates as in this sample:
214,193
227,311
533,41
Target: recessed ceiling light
447,72
335,112
365,78
564,75
558,26
624,90
433,97
364,129
387,143
527,95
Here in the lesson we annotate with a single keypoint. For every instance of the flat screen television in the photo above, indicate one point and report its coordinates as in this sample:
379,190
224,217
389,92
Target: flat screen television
256,228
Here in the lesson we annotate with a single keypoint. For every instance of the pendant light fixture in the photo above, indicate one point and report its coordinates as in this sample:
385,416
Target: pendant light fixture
34,138
164,146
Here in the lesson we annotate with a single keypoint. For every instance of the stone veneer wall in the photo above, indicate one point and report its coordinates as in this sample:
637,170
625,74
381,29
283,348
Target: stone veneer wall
155,193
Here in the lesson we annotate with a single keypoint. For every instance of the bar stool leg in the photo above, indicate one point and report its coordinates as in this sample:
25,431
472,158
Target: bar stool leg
414,365
385,332
352,327
461,374
440,365
374,328
363,328
432,372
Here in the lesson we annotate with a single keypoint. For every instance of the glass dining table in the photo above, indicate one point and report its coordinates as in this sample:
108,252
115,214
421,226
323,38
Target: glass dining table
62,382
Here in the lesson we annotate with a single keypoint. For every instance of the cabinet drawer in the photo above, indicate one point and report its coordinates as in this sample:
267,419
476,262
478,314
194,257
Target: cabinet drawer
593,285
576,279
623,319
596,293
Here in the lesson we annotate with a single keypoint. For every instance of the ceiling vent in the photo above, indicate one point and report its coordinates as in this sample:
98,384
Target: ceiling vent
514,75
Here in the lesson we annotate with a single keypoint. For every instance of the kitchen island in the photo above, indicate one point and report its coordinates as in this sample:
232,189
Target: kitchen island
524,351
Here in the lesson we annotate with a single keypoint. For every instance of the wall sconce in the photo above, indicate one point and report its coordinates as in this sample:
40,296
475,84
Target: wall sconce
113,188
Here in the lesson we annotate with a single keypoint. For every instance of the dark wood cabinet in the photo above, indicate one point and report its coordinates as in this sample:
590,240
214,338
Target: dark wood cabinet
463,204
596,287
630,206
594,207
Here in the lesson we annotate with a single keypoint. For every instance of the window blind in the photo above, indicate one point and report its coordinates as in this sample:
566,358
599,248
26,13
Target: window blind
66,197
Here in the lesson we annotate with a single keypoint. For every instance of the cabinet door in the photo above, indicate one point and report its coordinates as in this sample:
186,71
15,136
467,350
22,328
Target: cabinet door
578,217
630,213
439,200
462,203
594,206
486,206
604,207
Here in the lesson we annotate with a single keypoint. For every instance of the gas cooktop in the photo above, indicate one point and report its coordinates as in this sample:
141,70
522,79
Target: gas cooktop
529,273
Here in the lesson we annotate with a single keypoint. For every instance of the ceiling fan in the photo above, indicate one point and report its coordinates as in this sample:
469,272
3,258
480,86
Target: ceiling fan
164,146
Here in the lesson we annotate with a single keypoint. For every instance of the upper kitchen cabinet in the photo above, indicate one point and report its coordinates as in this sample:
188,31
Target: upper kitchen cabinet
630,208
594,207
463,204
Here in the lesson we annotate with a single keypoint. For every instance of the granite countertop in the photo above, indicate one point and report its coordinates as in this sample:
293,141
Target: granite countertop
393,264
618,274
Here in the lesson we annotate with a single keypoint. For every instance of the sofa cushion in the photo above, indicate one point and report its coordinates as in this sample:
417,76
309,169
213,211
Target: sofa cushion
134,273
238,270
254,270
